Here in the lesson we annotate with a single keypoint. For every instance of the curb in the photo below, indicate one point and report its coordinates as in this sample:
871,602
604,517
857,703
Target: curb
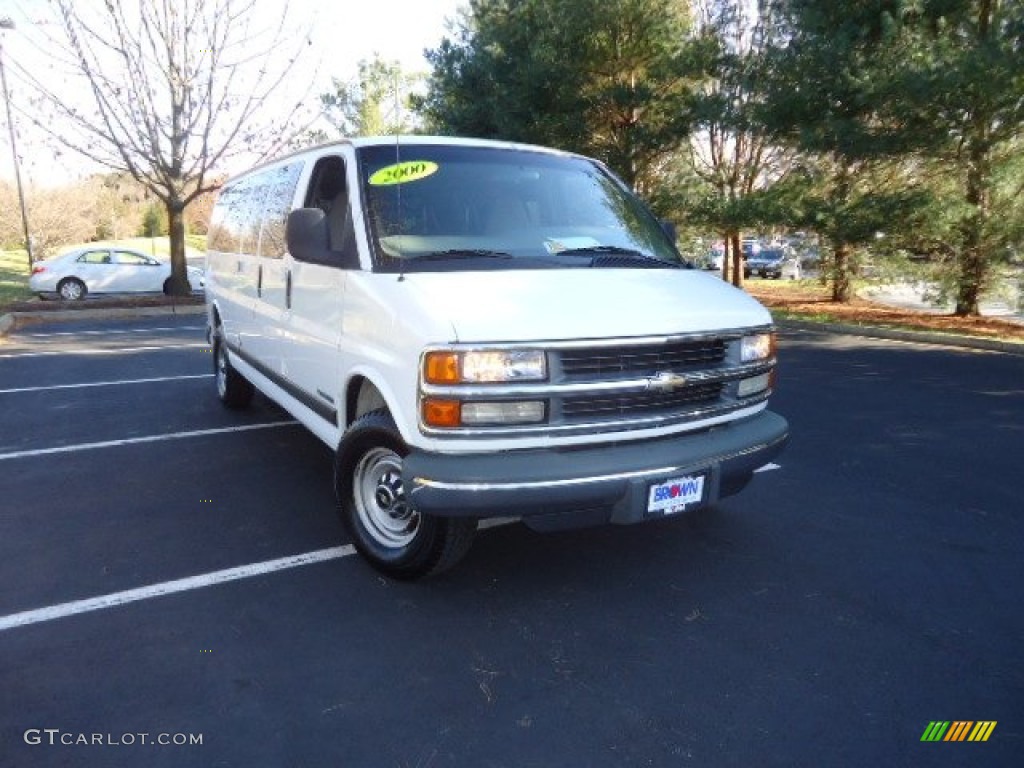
12,321
898,334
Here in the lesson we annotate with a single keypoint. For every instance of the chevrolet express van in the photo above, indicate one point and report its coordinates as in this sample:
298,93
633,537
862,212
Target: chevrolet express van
482,329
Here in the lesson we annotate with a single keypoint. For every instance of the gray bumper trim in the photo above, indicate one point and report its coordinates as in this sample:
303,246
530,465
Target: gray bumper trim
542,482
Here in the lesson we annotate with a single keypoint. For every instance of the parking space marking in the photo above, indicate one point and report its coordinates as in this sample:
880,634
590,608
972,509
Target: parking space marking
171,587
114,331
105,383
52,612
112,351
768,467
143,439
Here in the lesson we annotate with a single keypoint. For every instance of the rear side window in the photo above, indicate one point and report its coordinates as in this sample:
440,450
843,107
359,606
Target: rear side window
94,257
251,213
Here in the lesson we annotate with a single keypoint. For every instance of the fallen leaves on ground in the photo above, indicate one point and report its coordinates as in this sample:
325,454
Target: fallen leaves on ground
814,302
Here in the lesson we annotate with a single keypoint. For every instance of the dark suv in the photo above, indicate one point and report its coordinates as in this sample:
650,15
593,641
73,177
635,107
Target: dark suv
767,263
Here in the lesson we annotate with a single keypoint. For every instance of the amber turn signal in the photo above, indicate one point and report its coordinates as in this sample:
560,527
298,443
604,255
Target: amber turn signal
441,367
438,412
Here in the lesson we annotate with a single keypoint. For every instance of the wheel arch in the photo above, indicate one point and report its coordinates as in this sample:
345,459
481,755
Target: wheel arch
366,392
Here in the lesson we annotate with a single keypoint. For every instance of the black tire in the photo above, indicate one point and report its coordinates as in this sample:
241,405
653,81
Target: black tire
167,287
385,528
233,389
71,289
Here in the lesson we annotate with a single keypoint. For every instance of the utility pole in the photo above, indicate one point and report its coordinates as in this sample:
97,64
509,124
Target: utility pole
7,23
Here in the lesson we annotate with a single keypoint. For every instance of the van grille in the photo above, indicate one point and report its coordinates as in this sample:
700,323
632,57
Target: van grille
641,360
576,409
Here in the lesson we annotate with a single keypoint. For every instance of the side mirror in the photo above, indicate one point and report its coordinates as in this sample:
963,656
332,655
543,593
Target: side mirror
306,236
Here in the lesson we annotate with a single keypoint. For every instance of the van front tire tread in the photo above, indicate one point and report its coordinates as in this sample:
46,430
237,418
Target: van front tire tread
437,544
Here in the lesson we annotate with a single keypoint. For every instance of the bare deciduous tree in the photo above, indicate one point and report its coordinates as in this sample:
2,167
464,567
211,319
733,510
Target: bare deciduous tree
173,89
59,216
728,151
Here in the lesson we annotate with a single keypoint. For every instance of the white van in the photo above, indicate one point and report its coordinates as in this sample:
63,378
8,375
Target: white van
482,329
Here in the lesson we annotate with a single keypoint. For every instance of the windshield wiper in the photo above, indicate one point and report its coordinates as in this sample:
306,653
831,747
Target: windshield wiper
612,251
464,253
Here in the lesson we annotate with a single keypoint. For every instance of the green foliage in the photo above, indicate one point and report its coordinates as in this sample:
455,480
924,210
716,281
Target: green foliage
13,277
613,80
376,103
868,86
196,242
154,221
826,92
964,96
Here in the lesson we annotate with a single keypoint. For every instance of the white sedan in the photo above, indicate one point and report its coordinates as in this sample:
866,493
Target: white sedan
101,269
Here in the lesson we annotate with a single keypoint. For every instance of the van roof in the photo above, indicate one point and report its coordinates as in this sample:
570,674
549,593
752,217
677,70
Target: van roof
377,141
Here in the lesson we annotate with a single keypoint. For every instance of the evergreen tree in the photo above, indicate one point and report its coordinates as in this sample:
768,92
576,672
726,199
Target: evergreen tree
963,93
614,80
827,86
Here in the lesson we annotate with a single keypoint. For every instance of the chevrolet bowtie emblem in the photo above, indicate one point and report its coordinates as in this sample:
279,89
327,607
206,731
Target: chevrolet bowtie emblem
666,381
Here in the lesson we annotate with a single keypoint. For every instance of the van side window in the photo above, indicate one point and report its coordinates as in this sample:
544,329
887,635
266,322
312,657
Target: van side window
277,202
235,227
251,214
226,221
328,191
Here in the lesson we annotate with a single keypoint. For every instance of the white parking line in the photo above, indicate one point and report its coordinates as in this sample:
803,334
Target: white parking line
144,439
105,383
112,351
170,587
114,331
191,582
768,467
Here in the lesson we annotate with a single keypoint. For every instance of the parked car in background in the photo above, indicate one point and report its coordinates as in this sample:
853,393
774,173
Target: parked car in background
791,268
104,270
714,259
766,263
774,263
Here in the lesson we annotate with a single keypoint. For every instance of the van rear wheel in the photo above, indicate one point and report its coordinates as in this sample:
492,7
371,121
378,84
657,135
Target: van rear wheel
233,389
385,526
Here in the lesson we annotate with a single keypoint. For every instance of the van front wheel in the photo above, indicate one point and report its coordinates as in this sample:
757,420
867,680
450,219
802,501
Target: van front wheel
385,527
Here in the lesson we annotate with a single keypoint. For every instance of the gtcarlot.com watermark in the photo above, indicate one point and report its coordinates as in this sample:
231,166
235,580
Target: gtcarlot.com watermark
56,737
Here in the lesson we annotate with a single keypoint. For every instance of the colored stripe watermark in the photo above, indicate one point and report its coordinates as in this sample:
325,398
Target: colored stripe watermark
958,730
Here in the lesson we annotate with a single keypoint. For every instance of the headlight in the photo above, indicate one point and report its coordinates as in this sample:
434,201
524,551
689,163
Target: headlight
756,348
484,366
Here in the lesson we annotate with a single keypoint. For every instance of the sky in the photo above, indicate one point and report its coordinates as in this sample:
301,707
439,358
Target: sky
341,33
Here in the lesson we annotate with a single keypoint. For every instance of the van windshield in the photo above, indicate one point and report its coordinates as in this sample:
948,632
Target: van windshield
442,207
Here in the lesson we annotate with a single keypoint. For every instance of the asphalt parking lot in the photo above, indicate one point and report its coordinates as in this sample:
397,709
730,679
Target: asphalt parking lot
177,590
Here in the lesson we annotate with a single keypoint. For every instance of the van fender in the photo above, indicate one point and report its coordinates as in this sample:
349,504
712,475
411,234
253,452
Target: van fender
388,399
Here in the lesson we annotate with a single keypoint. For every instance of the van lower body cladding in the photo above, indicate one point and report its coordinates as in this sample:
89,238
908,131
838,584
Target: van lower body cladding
619,483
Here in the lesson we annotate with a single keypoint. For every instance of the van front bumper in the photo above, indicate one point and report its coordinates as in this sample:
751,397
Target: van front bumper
565,488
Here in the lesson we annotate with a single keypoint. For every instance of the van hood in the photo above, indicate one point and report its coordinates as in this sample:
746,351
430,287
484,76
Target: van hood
561,304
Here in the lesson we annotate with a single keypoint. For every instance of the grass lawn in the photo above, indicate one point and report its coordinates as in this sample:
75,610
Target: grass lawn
158,247
13,277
